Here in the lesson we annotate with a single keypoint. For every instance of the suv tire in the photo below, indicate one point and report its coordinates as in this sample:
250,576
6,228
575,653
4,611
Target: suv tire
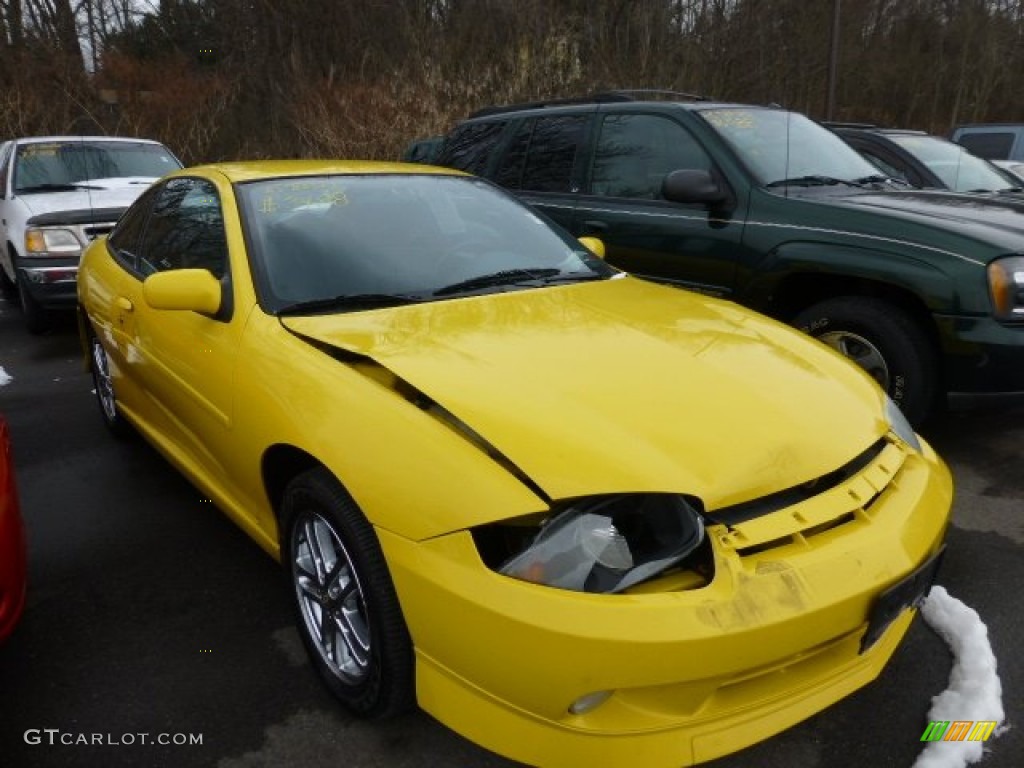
884,340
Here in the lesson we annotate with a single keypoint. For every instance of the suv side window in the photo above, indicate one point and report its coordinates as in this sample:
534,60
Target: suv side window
542,154
634,153
470,146
186,229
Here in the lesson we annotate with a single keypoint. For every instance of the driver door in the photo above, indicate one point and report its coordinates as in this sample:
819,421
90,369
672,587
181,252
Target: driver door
186,361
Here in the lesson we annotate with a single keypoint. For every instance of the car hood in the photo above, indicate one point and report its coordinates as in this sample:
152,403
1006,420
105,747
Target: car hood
996,219
102,193
626,386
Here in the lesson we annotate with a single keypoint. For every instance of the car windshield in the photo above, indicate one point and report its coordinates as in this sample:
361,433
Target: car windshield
959,169
780,147
44,166
345,242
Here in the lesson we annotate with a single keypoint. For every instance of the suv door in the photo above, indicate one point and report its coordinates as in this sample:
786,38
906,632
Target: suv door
692,245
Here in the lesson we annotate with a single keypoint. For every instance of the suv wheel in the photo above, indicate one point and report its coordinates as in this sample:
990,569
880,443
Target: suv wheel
883,340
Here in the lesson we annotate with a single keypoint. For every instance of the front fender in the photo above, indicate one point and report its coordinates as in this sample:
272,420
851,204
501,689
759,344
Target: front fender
934,287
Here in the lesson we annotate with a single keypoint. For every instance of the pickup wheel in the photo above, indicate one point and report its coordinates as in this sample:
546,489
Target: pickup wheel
885,341
37,319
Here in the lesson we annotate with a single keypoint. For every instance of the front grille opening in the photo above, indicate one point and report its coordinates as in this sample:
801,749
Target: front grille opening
828,525
764,546
93,232
773,502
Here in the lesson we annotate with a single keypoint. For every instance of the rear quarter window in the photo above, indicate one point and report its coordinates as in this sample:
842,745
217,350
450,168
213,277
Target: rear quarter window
470,146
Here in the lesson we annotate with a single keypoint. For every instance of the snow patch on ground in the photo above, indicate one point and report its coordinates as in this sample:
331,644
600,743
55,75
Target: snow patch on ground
5,377
975,691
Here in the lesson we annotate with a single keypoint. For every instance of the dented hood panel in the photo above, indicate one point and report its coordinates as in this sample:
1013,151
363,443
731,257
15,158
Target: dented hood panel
626,386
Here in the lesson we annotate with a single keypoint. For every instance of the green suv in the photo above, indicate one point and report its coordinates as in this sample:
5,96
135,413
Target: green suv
924,289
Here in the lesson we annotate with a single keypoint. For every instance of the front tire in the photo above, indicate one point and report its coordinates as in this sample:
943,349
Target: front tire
37,319
347,609
886,342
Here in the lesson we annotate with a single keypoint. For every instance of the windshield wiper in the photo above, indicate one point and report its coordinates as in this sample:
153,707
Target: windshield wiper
879,178
812,181
350,301
504,277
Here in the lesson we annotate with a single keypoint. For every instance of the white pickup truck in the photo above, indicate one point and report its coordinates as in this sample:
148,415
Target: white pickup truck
56,194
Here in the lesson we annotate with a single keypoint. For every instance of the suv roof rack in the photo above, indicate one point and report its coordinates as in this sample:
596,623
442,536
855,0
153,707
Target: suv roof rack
601,97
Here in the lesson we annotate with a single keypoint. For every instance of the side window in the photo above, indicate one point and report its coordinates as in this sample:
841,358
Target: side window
124,239
469,147
635,152
185,230
551,153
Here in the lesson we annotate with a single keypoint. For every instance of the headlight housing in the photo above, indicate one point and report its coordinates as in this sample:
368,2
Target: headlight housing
609,543
51,242
1006,284
899,424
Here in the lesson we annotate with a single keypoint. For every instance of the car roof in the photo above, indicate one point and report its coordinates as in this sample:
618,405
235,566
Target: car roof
255,170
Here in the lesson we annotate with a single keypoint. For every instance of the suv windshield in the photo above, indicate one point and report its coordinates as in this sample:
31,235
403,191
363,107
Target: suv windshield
45,166
335,243
777,146
959,169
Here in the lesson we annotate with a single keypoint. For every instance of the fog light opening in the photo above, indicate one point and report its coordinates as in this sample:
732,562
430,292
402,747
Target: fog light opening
589,702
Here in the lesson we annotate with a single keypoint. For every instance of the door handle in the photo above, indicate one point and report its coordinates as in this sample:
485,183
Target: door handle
594,226
124,304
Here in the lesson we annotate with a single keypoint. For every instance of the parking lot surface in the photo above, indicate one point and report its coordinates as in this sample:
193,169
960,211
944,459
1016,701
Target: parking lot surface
157,634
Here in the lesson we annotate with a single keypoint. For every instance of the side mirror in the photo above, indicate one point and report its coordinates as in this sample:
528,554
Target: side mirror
692,186
594,245
195,290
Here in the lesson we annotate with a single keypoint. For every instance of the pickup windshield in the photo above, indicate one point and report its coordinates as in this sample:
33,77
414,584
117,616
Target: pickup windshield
777,146
66,165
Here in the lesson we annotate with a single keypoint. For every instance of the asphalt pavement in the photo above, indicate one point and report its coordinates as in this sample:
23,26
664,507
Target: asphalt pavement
151,618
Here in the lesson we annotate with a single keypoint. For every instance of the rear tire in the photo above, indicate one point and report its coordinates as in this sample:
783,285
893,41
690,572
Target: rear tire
103,384
346,606
885,341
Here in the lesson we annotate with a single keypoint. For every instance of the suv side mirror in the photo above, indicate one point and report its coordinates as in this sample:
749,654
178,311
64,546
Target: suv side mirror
693,186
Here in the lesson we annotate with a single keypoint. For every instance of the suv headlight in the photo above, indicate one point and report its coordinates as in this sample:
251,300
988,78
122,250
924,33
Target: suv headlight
51,242
1006,284
899,424
609,543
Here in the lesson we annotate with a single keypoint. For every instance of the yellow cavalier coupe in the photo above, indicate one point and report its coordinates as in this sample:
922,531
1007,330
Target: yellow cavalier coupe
580,518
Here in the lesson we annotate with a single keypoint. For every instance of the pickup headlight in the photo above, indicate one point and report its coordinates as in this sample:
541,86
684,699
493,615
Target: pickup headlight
51,242
1006,284
609,543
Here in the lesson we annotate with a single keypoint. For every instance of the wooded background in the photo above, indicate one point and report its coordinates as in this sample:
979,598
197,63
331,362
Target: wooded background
233,79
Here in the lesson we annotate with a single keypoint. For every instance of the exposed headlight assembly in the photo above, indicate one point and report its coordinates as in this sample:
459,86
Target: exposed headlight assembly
899,425
610,543
1006,284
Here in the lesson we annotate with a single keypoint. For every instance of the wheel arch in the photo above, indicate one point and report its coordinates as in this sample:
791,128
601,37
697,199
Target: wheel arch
281,463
